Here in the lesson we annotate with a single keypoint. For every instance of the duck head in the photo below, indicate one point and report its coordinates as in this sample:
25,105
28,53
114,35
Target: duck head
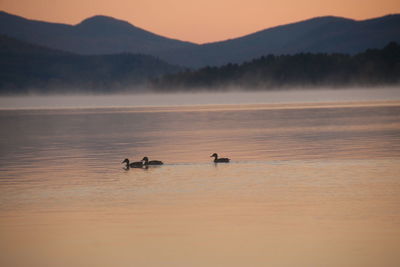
215,155
125,161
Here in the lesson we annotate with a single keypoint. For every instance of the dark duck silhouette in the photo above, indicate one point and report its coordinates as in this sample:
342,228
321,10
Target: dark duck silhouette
151,162
217,160
137,164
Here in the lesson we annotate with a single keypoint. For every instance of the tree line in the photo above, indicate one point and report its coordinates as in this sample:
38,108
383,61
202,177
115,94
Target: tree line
373,67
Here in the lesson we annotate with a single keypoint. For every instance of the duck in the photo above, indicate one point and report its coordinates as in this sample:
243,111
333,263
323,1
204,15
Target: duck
217,160
137,164
151,162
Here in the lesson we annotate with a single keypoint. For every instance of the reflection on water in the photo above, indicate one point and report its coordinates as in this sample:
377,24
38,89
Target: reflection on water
309,185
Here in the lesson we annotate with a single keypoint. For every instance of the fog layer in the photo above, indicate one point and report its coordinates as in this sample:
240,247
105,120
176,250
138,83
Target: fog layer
204,98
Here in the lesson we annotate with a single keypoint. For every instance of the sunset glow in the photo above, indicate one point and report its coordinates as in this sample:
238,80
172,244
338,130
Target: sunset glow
199,21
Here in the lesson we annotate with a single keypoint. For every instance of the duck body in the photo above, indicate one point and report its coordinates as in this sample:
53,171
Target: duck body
219,160
136,164
147,162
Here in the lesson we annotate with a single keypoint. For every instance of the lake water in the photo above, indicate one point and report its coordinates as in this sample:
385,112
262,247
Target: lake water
310,184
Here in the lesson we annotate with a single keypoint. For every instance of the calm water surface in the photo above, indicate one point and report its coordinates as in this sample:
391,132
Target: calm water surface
309,185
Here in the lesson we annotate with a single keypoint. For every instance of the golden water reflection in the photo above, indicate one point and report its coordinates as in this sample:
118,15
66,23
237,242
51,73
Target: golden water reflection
307,187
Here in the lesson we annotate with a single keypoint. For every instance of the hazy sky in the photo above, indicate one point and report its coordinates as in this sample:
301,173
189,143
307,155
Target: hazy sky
199,20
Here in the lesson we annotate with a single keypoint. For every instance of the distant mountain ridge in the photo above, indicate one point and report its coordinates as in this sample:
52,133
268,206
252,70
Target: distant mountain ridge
106,35
95,35
318,35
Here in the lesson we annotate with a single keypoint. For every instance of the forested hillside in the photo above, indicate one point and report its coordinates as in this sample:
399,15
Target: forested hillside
370,68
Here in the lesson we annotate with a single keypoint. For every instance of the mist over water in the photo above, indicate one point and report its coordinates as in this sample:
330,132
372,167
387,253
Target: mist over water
202,98
313,181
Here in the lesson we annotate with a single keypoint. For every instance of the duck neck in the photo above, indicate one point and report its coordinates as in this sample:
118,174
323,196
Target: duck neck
127,165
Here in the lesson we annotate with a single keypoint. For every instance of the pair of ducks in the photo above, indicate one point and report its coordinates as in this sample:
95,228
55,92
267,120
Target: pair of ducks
145,162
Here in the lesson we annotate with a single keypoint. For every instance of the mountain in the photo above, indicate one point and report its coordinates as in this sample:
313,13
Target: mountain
12,46
318,35
28,67
106,35
95,35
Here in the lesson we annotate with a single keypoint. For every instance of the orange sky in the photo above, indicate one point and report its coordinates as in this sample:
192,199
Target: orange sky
199,21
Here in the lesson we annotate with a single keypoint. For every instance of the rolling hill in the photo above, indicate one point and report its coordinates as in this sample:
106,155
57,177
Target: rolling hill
28,67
